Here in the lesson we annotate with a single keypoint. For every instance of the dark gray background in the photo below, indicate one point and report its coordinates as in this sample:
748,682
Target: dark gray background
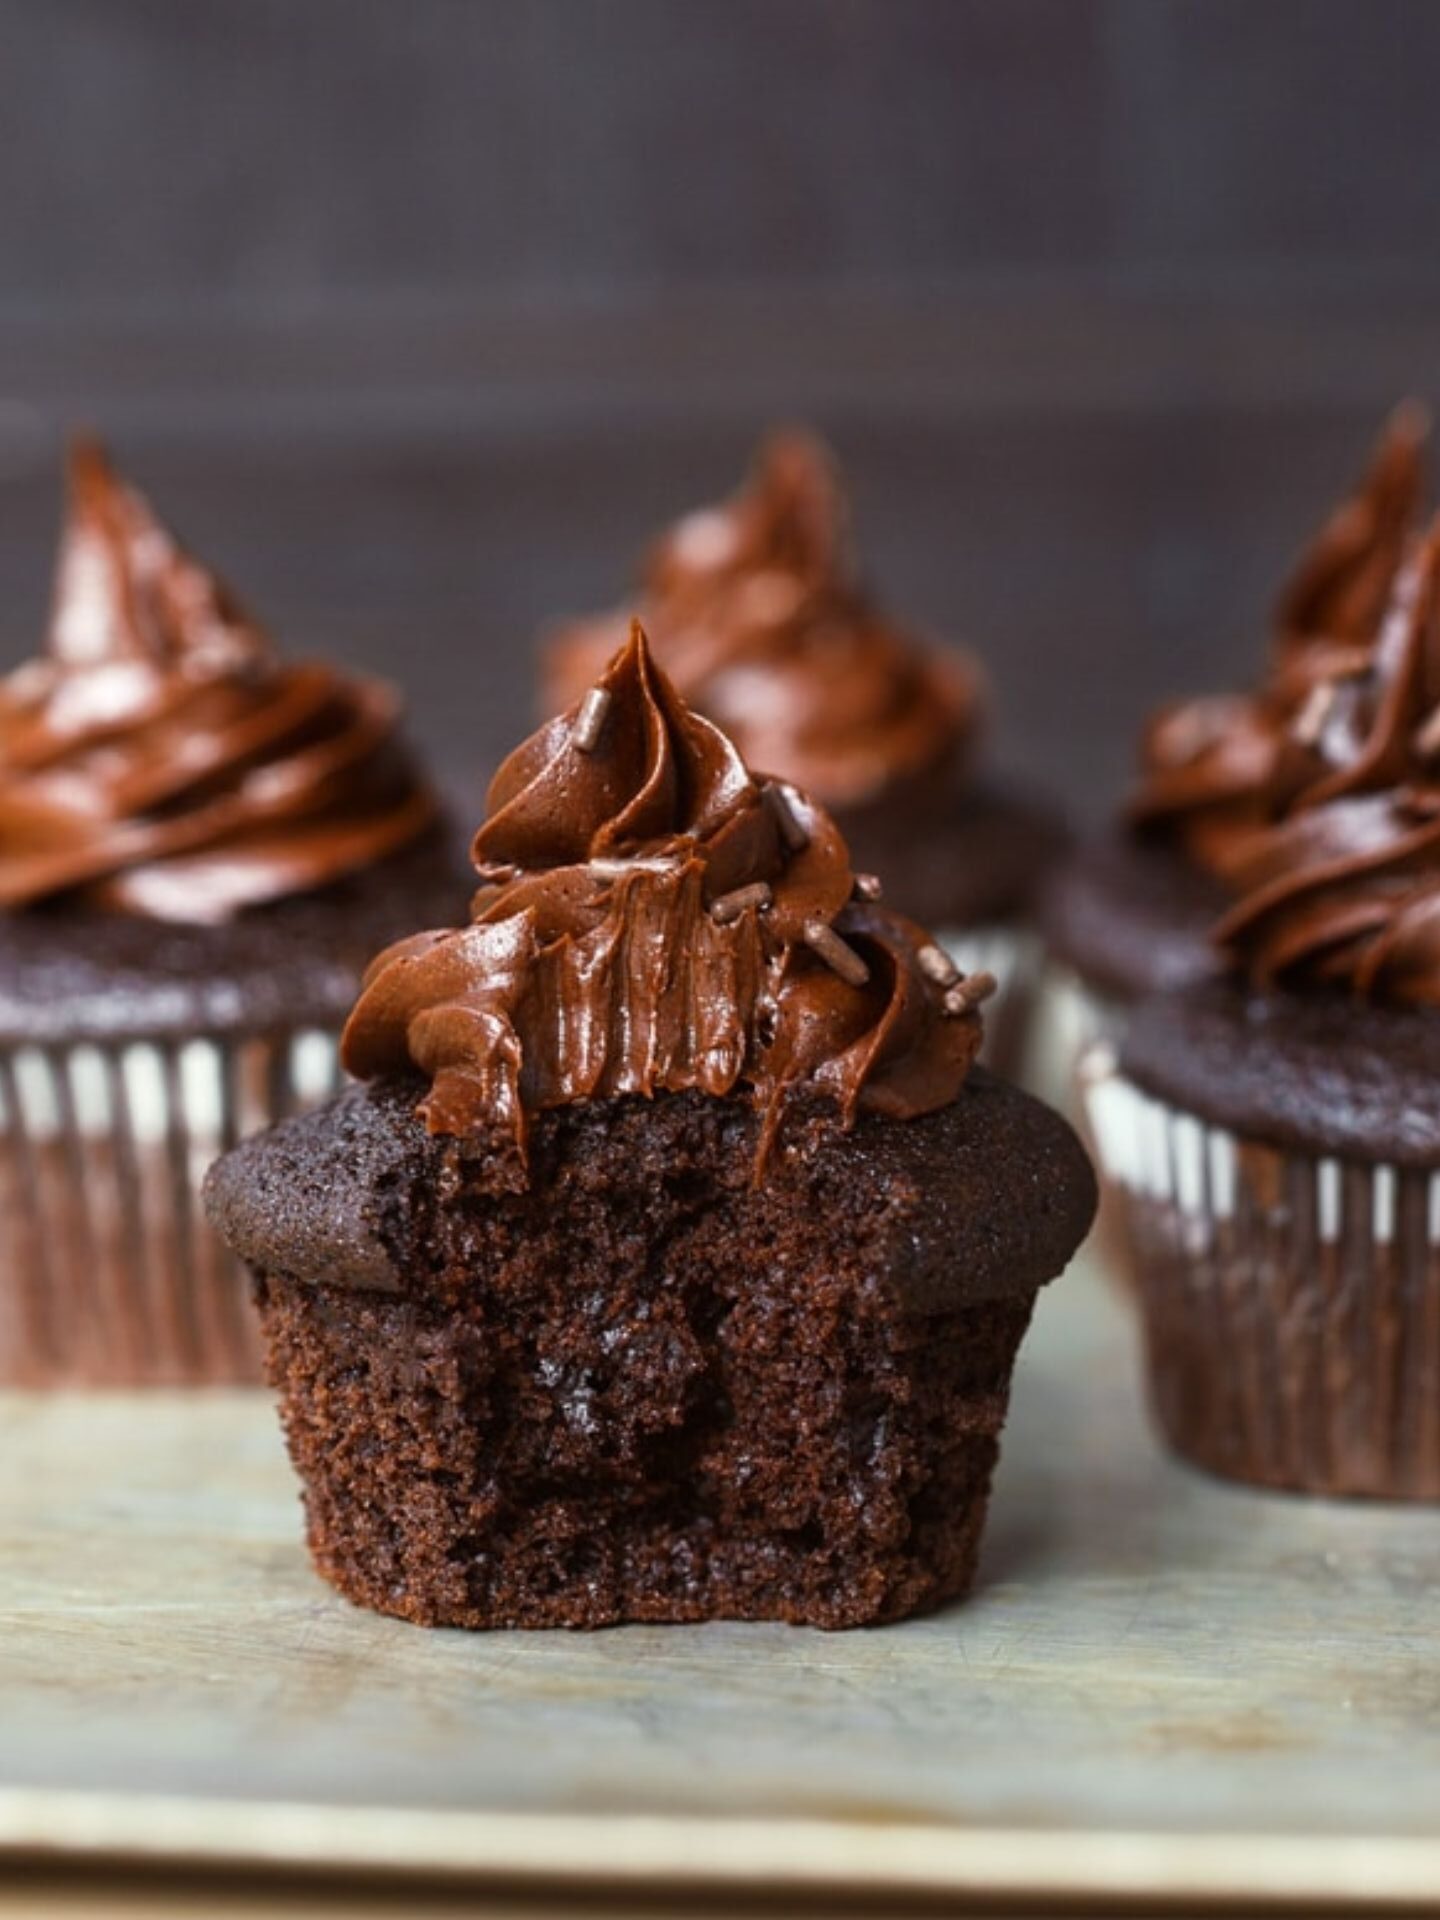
418,317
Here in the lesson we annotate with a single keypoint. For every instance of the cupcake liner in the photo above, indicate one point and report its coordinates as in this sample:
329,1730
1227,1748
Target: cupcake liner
111,1276
1074,1024
1291,1302
1014,955
1073,1017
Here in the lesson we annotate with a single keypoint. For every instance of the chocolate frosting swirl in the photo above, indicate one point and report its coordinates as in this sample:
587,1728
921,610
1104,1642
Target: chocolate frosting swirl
1316,798
158,760
759,618
1343,887
652,918
1222,765
1340,589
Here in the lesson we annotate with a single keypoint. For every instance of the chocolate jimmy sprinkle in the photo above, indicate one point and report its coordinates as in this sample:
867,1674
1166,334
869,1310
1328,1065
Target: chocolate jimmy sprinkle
793,831
823,940
617,869
867,886
590,721
969,993
937,965
1311,719
730,906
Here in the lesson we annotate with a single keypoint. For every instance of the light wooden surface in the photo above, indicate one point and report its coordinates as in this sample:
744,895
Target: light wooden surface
1162,1686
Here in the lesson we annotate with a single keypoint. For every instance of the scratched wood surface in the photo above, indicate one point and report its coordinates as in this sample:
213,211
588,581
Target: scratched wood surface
1151,1663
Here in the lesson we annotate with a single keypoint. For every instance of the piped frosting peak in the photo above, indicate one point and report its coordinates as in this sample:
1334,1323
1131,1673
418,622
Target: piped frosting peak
654,918
1316,797
759,617
159,759
1223,764
1343,886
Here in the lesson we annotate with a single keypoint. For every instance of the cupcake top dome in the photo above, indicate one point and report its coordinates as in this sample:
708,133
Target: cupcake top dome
759,617
159,760
654,918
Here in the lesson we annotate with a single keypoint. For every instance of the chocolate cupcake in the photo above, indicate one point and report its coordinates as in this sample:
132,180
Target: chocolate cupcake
1131,912
760,618
671,1261
1275,1132
200,848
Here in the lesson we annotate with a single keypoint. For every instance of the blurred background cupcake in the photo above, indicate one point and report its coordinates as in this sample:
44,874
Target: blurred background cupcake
200,847
758,611
1132,911
1274,1133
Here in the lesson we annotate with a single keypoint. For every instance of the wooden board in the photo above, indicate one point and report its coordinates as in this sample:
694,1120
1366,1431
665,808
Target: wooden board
1162,1688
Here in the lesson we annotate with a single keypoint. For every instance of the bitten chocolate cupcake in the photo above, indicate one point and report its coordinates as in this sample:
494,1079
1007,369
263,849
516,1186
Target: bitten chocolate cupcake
1132,912
672,1260
200,848
758,614
1275,1134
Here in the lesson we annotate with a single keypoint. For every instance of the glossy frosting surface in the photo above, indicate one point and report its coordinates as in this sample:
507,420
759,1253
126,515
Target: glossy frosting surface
654,918
1316,799
757,614
1217,763
159,760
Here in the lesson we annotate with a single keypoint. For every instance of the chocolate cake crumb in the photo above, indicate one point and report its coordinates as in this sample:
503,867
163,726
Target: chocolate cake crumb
649,1387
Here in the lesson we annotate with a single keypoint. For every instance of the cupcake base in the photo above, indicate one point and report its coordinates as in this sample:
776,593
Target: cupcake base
1129,917
112,1276
649,1387
1290,1297
768,1516
132,1053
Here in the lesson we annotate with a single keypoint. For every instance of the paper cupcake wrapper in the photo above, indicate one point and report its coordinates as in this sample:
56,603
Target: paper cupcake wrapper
1014,955
1072,1019
1291,1302
1073,1022
110,1274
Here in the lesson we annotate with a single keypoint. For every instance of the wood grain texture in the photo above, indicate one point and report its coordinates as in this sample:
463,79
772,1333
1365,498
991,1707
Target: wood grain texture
1151,1663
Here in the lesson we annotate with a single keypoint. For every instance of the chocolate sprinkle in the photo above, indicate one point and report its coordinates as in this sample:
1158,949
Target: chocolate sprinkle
730,906
1310,722
937,965
824,941
792,829
590,721
971,992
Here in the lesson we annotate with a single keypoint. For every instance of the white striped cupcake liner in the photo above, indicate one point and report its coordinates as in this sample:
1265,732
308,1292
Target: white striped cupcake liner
111,1275
1073,1021
1072,1018
1291,1302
